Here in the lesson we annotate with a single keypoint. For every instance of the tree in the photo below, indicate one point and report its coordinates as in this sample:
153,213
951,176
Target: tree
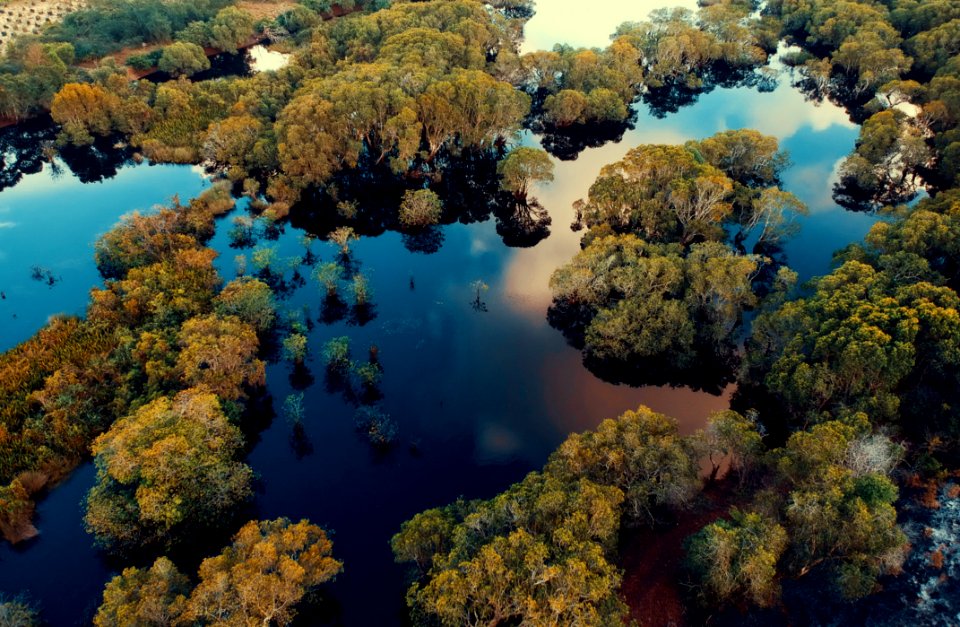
859,342
565,108
183,59
745,155
221,354
930,232
521,166
872,56
342,236
259,579
420,208
839,513
737,558
167,468
773,212
736,439
641,453
160,295
632,300
154,597
17,613
661,193
230,29
534,555
295,348
886,161
250,300
83,111
328,275
233,142
310,141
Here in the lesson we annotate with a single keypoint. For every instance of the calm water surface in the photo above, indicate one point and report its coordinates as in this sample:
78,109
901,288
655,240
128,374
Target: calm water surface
479,397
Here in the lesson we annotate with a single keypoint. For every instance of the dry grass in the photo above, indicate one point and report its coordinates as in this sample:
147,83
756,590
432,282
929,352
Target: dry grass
261,10
28,17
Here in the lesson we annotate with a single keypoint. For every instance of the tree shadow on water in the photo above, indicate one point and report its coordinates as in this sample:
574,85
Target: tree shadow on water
566,143
523,224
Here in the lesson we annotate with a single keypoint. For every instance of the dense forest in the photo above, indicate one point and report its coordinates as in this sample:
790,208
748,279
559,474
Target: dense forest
405,116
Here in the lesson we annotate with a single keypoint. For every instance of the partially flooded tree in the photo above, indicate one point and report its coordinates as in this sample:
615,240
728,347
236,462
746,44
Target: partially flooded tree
521,167
420,208
165,469
263,575
257,580
154,597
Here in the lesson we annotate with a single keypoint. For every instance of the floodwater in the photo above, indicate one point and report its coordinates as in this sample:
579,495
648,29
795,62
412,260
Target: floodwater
480,395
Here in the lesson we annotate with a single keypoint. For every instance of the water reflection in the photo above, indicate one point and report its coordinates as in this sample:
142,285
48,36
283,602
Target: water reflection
577,24
51,221
262,59
816,136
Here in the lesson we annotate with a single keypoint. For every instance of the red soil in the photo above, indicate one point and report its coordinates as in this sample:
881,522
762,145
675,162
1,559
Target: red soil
652,562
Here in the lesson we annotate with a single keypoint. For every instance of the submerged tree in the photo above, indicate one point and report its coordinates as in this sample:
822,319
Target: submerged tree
420,209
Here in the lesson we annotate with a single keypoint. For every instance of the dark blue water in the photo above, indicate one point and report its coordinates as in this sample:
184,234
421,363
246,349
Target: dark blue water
479,397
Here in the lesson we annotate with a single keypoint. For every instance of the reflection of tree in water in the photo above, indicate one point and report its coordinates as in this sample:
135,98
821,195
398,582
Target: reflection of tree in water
566,143
25,148
301,377
300,442
467,185
523,224
97,162
222,65
426,241
705,367
675,95
22,149
851,194
333,309
362,313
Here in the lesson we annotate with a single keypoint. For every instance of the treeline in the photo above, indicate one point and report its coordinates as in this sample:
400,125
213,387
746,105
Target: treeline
399,86
107,26
406,87
34,68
